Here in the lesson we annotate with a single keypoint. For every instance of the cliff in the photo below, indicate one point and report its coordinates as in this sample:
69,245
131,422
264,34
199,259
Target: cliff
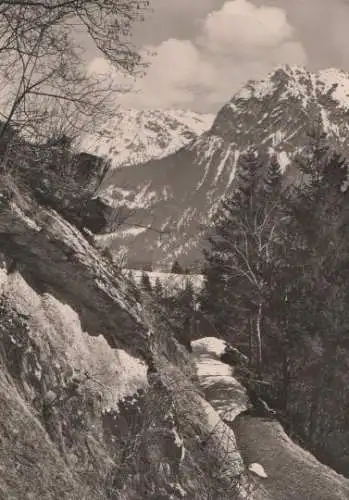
98,400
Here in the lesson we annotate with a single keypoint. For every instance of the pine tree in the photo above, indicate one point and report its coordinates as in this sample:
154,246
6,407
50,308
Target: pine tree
145,282
187,296
185,309
311,324
214,298
273,178
288,252
176,268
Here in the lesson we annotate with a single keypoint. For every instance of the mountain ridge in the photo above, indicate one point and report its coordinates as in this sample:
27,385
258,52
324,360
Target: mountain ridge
134,136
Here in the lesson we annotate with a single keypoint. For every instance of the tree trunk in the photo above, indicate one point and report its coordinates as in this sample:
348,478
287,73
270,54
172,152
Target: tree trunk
259,339
313,416
285,381
250,342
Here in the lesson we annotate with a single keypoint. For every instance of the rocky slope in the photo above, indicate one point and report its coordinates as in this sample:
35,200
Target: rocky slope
136,136
175,196
98,400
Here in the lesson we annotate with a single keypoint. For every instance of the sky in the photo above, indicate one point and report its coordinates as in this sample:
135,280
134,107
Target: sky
205,50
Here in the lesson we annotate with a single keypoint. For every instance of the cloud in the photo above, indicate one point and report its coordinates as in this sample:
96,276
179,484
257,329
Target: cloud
241,27
235,43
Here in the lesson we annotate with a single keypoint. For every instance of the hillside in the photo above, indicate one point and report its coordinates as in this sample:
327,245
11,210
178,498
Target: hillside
75,349
176,196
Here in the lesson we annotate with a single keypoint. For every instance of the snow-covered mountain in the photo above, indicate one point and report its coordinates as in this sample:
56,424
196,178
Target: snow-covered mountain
135,136
178,193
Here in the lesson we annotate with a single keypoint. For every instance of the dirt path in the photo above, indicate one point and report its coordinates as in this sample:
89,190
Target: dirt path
292,472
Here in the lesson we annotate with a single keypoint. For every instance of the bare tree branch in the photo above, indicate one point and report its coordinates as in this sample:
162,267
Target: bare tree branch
42,61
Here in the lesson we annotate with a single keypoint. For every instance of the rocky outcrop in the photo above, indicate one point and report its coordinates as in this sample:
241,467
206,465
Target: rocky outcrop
60,179
55,383
55,257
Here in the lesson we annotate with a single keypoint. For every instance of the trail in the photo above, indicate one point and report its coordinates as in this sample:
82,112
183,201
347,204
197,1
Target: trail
293,473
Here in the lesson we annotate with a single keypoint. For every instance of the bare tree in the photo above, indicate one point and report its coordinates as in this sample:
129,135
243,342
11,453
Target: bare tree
45,84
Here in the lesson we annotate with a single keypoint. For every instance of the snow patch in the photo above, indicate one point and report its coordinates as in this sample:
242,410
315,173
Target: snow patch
257,89
56,328
221,165
337,82
210,346
258,469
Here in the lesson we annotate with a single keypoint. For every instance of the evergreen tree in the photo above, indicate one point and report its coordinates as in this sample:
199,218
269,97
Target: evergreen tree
310,327
273,178
133,288
176,268
285,254
185,308
145,282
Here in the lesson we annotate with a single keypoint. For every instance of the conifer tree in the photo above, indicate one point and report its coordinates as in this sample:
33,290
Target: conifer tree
273,178
311,324
145,282
176,268
287,250
132,286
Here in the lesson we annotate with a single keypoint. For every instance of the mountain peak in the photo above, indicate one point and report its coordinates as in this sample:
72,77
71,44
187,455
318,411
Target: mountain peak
297,82
136,136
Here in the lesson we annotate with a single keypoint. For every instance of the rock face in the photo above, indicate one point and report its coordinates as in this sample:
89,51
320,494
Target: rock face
70,266
179,193
61,179
135,136
81,414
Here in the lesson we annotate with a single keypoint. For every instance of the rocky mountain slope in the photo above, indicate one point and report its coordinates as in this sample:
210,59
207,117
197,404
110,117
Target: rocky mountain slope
175,196
135,136
78,415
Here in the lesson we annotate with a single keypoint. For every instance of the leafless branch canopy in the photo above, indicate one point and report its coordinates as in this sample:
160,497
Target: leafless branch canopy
44,77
